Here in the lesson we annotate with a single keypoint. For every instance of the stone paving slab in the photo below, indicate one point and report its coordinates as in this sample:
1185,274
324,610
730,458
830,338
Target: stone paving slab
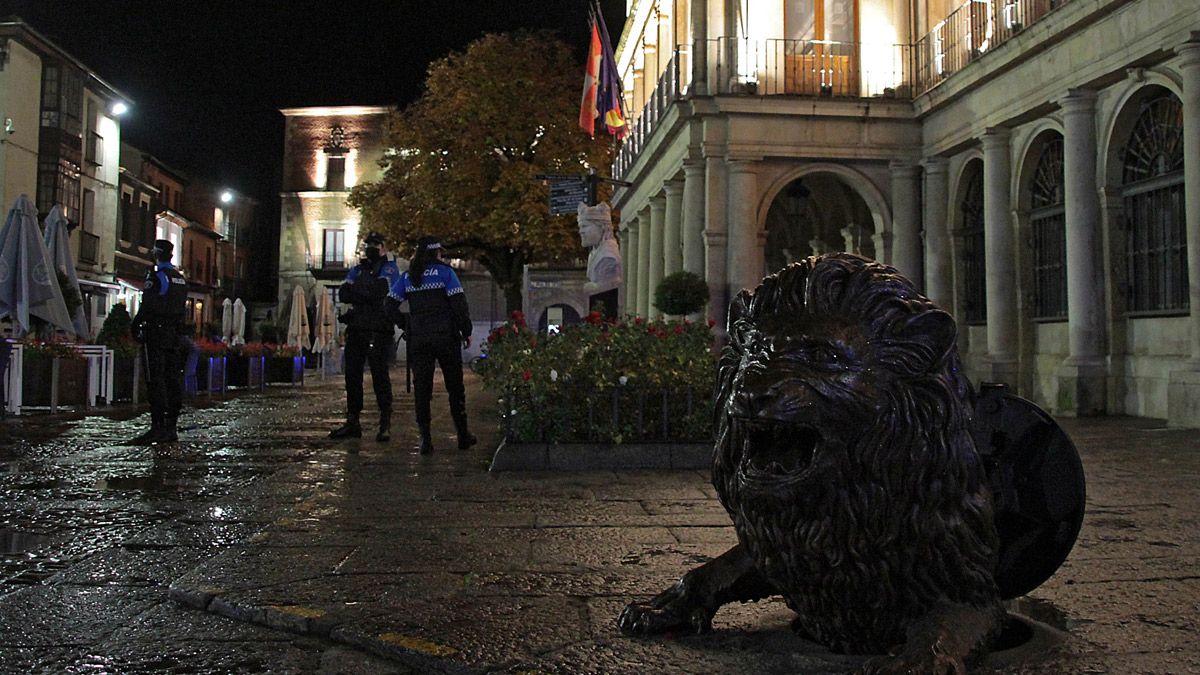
444,567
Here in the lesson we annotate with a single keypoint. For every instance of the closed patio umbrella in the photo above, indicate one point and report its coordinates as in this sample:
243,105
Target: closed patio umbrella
239,323
325,324
28,284
59,248
227,321
298,320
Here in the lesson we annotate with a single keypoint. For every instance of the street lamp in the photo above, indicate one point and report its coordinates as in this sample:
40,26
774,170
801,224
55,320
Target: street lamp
226,198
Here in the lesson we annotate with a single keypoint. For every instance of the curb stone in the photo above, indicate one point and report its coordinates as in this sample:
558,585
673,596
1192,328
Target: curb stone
412,652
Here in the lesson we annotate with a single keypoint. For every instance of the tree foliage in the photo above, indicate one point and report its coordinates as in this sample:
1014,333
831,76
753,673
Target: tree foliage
464,156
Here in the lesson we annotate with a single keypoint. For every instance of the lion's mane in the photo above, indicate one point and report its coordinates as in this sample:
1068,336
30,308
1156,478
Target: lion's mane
902,520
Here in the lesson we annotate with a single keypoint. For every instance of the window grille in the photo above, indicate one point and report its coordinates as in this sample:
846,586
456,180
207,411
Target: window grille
1048,222
1152,192
973,257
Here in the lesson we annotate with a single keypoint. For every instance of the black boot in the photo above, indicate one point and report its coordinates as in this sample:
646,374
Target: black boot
170,430
350,429
385,426
426,439
150,435
465,438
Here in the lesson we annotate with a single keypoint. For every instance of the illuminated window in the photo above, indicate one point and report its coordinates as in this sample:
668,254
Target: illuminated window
335,176
820,52
334,252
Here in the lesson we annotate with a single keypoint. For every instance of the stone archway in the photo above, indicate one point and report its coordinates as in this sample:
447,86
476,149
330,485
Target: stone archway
817,213
844,199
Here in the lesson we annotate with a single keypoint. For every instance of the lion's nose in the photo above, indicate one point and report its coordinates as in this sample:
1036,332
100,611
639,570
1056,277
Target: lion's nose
765,398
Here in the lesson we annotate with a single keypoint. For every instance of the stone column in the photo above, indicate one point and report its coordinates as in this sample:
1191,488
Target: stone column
938,259
699,48
673,233
643,284
693,216
999,256
745,253
1183,389
906,220
658,212
716,239
1082,377
628,246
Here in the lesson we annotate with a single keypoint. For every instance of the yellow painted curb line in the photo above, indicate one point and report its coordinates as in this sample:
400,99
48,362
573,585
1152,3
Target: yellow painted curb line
294,610
417,644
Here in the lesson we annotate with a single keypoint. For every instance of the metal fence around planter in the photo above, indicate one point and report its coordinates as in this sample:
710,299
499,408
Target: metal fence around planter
129,378
34,381
612,414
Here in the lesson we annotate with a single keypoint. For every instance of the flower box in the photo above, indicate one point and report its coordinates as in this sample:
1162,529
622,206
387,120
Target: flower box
128,377
245,371
285,370
38,378
209,376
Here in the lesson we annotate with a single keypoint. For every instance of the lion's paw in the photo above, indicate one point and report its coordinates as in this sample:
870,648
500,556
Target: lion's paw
652,618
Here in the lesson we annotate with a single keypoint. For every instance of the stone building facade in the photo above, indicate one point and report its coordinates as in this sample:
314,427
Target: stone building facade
1021,160
326,152
59,144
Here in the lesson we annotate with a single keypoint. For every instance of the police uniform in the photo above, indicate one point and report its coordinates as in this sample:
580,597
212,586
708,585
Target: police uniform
157,324
438,323
370,327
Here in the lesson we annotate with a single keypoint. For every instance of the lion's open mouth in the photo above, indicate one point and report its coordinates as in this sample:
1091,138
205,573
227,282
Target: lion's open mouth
776,449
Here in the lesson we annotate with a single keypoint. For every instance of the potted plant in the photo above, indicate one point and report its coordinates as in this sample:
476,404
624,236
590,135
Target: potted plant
117,335
210,366
246,365
285,365
53,364
680,294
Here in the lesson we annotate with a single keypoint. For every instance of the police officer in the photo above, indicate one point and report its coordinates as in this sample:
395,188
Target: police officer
439,328
369,330
157,326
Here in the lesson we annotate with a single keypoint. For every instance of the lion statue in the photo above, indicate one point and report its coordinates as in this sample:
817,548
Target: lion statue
845,459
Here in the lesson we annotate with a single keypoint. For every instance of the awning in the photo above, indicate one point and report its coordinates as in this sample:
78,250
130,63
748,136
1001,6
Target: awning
100,284
131,284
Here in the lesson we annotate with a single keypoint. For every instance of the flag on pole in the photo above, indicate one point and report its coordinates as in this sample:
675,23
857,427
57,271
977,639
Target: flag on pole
601,86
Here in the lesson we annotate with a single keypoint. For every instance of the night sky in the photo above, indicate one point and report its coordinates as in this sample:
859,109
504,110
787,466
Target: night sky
207,77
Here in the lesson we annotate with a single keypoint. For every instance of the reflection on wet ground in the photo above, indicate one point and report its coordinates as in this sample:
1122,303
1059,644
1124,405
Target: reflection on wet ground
257,516
92,531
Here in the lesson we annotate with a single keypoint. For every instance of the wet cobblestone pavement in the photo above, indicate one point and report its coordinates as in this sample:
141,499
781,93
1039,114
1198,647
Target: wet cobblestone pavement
256,545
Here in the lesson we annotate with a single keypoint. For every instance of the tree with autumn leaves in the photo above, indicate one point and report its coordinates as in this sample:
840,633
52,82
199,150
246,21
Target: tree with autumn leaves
464,157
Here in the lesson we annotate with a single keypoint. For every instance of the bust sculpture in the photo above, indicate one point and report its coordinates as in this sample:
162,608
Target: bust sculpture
604,259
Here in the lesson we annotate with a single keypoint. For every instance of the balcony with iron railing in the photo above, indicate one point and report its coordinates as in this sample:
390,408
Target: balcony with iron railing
830,69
